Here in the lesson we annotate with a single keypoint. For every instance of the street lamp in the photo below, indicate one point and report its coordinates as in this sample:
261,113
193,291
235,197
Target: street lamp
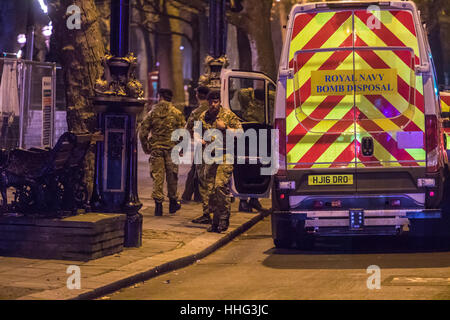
216,60
47,30
118,100
44,7
21,39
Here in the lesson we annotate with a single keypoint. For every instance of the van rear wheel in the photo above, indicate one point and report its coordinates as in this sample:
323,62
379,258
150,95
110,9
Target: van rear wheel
282,243
306,243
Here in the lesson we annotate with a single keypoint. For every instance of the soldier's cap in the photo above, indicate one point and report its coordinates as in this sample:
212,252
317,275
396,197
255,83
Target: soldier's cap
259,94
202,90
214,95
166,94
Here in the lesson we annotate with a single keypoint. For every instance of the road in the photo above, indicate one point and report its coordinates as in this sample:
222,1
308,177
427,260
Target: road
250,267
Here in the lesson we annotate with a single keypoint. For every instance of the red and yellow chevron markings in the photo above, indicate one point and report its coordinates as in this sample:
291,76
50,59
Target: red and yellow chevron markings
445,107
326,130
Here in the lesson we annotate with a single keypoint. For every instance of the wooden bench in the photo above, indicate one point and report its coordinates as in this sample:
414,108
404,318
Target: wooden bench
46,181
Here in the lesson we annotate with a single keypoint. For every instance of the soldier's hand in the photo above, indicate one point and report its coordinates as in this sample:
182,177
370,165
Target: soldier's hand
221,125
145,148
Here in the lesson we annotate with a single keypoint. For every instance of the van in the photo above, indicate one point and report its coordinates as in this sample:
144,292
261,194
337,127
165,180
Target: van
360,132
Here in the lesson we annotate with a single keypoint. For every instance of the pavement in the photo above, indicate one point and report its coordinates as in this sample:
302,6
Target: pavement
169,242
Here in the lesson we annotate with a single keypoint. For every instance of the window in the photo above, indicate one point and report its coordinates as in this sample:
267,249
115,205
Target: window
247,99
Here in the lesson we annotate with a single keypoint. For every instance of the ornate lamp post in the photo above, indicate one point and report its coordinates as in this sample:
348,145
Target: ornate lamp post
216,60
117,102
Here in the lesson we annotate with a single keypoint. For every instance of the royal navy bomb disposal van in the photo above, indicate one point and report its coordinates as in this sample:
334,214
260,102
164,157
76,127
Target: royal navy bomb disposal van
361,145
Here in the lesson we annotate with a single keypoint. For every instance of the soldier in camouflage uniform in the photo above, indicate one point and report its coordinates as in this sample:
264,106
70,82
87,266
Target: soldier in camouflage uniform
216,177
254,105
155,136
192,180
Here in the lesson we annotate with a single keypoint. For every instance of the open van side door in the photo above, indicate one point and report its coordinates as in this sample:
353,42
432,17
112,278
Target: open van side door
251,96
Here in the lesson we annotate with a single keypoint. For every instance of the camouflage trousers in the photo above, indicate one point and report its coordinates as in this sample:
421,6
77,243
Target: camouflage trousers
203,182
214,185
161,166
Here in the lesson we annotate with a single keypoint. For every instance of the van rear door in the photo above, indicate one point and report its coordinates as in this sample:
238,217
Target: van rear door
250,95
390,103
355,101
320,117
390,121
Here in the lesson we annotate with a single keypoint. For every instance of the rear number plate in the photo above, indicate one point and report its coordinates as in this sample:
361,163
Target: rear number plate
330,179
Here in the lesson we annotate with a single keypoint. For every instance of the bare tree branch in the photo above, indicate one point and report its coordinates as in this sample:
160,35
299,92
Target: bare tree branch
238,19
165,14
199,5
152,30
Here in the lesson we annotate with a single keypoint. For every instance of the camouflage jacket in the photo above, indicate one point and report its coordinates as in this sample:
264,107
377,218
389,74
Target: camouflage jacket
157,127
195,116
252,109
227,116
254,112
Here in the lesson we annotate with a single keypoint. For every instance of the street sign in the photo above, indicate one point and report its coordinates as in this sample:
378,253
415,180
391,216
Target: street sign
46,111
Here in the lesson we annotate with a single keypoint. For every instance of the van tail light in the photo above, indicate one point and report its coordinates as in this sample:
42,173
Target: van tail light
317,204
431,142
431,132
280,125
336,204
395,203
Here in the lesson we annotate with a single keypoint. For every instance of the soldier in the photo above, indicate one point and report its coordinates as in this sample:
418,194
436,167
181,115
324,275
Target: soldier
216,176
155,136
252,104
255,110
192,183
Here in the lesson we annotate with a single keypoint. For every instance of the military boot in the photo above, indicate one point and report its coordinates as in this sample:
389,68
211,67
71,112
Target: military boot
158,208
244,206
254,203
221,227
212,228
174,206
204,219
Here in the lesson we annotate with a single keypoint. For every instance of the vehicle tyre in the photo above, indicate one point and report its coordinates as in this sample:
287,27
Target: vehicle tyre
305,243
282,243
445,202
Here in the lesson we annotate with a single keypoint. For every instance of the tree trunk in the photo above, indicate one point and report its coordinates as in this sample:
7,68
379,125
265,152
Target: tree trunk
80,52
164,48
148,45
255,21
432,13
245,52
195,48
104,12
434,37
176,57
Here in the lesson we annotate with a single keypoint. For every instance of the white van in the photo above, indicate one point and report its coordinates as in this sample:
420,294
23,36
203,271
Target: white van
361,144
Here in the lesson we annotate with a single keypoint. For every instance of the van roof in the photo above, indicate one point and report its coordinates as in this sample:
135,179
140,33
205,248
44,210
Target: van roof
312,6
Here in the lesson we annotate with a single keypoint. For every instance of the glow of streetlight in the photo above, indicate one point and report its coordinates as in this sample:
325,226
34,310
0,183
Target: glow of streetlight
43,6
21,38
47,30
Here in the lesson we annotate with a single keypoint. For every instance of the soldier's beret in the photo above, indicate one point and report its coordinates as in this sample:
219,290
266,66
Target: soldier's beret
214,95
166,94
203,90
